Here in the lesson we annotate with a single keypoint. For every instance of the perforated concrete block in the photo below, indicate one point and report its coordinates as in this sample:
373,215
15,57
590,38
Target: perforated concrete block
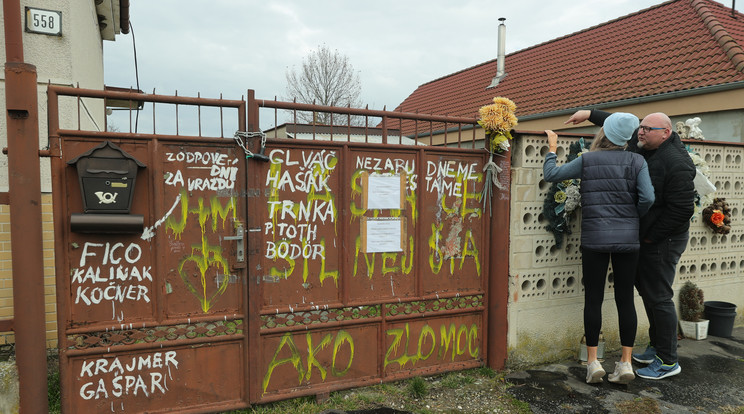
699,242
530,285
545,252
736,239
738,190
709,268
733,159
571,249
728,266
720,243
724,184
531,151
713,156
737,208
687,269
527,219
565,281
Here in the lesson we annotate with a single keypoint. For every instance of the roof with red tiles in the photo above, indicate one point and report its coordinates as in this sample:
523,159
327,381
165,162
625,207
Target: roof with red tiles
678,45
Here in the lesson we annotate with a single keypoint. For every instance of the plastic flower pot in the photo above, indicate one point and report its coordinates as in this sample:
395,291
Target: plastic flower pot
721,316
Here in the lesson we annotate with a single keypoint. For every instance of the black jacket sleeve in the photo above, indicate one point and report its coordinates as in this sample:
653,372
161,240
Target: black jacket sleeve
598,117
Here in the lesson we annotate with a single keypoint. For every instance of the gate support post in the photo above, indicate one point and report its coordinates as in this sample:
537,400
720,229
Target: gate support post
498,278
24,182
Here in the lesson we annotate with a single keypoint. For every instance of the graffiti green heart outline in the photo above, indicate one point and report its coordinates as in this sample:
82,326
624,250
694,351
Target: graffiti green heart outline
203,263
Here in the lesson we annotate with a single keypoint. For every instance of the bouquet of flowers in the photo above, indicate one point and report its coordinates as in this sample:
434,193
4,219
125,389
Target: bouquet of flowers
717,216
563,198
498,119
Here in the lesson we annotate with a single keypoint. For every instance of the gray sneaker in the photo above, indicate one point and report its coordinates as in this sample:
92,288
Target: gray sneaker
594,372
623,373
647,356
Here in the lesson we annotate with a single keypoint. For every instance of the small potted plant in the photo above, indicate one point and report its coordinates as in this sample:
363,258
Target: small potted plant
691,306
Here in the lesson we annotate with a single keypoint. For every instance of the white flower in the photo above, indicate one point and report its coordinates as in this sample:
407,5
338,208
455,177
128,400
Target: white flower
504,145
573,198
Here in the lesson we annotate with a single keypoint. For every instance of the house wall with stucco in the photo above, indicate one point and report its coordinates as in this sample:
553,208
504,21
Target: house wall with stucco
545,313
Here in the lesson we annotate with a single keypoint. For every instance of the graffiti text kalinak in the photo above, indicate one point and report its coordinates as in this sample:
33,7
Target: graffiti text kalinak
109,273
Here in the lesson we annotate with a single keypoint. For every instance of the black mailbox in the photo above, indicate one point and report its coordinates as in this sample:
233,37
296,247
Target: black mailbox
106,175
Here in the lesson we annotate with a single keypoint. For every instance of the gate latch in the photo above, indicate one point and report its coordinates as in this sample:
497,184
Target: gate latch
240,246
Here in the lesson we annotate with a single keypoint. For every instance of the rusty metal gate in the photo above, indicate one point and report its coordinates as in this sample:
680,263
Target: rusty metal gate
212,273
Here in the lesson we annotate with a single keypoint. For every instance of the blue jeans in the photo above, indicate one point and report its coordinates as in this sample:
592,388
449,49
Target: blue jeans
657,266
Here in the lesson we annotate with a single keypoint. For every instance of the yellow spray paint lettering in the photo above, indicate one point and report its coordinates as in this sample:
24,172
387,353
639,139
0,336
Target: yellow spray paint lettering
435,257
204,255
312,351
294,358
323,274
452,248
389,268
342,338
304,356
453,340
297,222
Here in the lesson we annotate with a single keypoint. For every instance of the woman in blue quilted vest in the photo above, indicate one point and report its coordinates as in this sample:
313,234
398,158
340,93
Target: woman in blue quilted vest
615,192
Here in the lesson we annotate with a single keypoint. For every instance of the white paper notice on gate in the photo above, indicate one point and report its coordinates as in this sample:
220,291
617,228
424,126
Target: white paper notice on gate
384,192
383,234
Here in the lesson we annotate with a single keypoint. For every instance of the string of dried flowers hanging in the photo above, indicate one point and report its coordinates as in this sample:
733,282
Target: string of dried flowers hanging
497,119
717,216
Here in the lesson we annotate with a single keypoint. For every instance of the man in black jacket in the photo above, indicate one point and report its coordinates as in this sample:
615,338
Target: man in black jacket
664,233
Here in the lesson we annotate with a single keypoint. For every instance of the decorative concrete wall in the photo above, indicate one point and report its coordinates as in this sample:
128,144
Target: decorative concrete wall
546,292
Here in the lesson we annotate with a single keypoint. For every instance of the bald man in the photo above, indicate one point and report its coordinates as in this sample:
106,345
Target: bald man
664,233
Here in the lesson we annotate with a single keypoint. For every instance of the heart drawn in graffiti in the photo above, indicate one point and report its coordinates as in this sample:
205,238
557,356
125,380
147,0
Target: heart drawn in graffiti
205,271
205,275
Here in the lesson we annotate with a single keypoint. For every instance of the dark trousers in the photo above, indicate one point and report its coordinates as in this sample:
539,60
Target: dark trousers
657,267
594,266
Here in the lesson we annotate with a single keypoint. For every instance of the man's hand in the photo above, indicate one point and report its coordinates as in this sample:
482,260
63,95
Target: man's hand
579,117
552,140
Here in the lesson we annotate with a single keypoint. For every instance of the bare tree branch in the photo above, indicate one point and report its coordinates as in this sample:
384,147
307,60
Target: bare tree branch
326,78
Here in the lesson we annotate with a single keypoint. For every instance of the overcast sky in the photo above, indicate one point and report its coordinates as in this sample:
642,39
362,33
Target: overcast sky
229,46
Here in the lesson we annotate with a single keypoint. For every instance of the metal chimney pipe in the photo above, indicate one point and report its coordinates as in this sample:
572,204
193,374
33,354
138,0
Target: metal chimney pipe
501,56
500,64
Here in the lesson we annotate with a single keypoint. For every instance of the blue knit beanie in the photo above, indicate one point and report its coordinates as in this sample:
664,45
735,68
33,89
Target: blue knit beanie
619,127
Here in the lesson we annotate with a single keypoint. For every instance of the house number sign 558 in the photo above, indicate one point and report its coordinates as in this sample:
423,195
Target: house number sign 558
42,21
